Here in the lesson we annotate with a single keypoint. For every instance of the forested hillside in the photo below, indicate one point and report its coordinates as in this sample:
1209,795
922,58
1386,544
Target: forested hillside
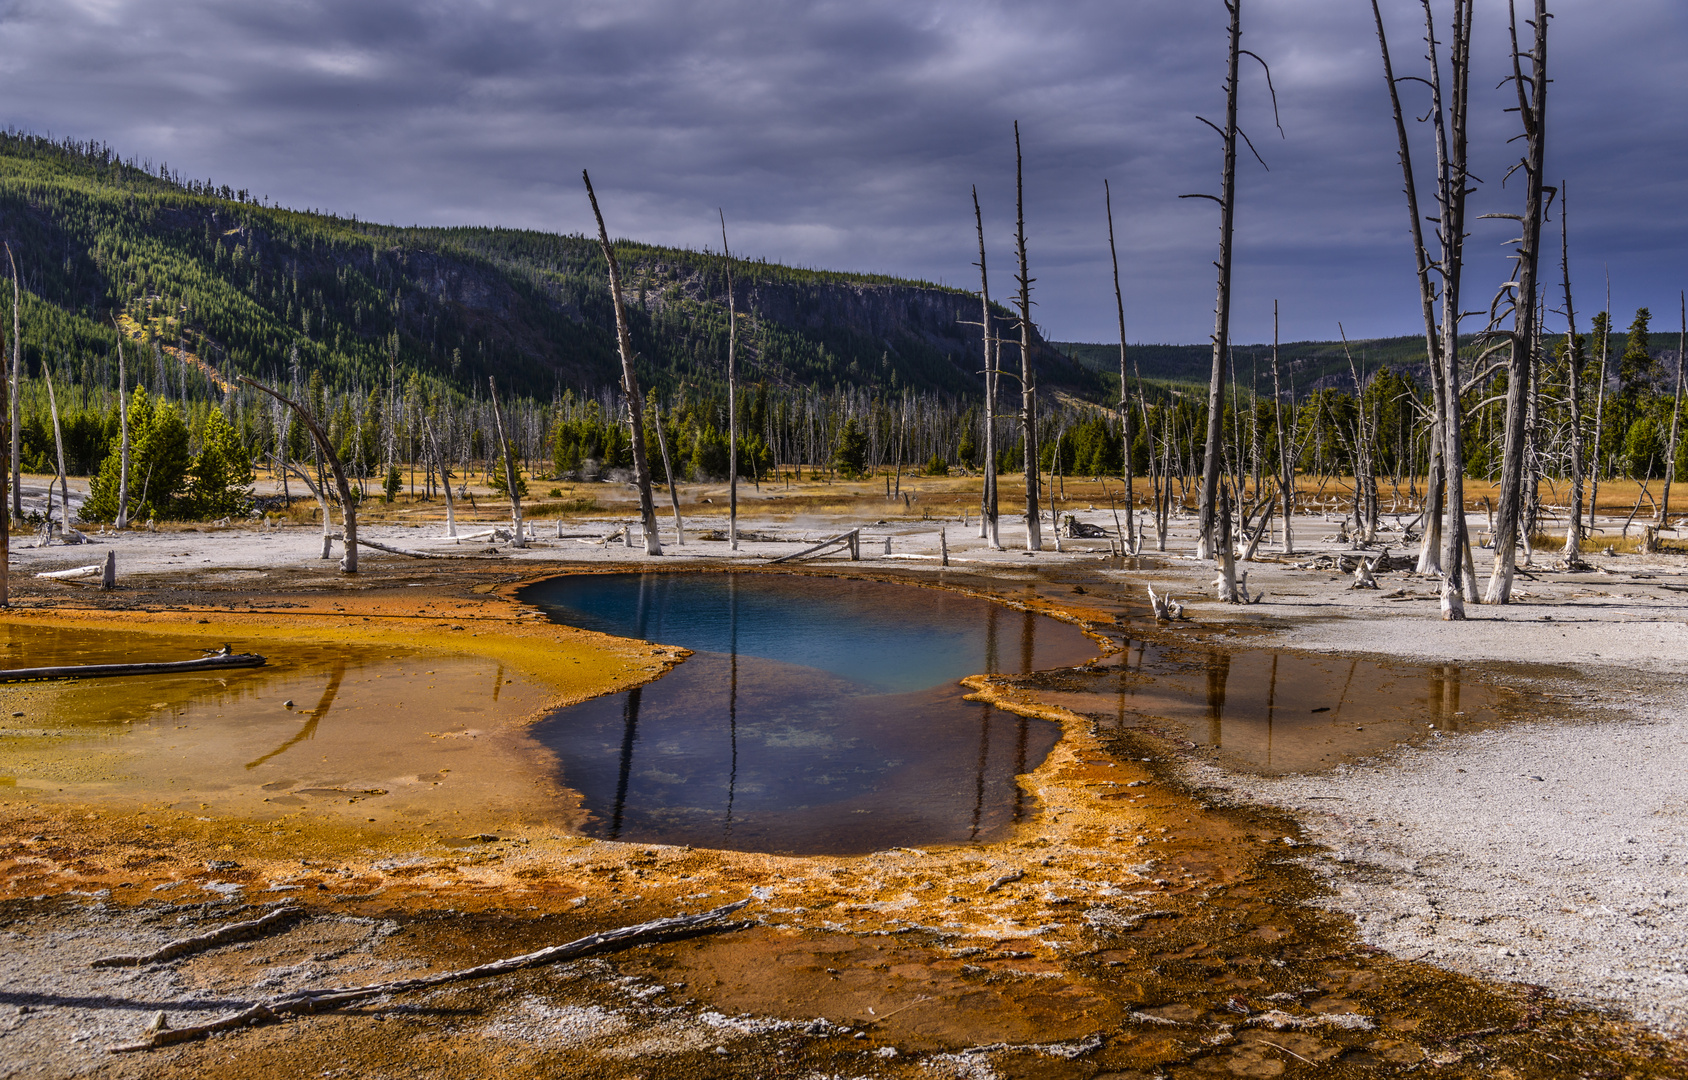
239,288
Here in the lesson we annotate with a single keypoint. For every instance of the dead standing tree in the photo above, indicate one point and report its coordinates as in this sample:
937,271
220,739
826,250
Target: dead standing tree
511,480
1130,537
1213,453
1675,411
1444,541
1573,378
1212,461
1521,294
629,383
988,529
348,506
732,389
1028,385
17,374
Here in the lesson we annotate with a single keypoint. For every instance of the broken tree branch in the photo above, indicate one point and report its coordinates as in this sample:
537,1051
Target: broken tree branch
223,935
310,1001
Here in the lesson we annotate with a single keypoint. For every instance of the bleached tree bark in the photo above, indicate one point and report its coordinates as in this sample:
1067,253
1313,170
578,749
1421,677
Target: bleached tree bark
1429,554
673,490
1028,384
17,369
1286,462
1675,413
122,431
1574,375
519,540
348,506
58,443
732,389
629,382
1213,452
1532,107
1130,537
445,477
988,528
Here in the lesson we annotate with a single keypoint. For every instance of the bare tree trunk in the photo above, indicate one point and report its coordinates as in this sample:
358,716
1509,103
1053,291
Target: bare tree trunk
1213,451
732,390
1574,374
6,398
445,477
1028,385
673,492
988,529
348,507
630,383
1429,554
1452,189
58,442
1286,462
1129,474
122,431
510,478
1532,105
1675,414
17,384
1605,321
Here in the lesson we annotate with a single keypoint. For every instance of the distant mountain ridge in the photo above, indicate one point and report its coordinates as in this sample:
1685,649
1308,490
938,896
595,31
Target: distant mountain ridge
244,288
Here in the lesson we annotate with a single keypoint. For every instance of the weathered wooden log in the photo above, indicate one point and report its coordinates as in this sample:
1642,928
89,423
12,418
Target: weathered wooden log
77,572
310,1001
214,662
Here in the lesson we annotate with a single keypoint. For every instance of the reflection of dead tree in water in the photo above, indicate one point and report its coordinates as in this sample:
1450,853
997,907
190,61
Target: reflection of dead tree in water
308,731
629,735
1218,675
984,762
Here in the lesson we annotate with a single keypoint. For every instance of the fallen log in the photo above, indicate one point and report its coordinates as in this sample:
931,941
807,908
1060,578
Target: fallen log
75,572
389,549
215,662
240,931
310,1001
851,540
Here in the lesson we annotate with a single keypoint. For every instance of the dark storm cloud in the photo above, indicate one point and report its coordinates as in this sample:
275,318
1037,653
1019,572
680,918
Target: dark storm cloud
847,134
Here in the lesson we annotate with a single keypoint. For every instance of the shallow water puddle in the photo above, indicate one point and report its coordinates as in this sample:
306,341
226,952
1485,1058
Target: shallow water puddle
374,734
1272,712
817,715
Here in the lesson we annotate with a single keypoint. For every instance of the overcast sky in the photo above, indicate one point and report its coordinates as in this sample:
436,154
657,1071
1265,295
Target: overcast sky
846,135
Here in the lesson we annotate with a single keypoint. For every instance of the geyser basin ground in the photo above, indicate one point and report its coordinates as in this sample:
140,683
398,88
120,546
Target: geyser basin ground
817,715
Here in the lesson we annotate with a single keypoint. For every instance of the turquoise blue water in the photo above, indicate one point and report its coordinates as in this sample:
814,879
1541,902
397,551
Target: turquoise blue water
818,715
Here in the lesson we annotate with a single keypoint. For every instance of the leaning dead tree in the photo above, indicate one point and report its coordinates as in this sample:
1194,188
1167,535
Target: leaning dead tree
1520,294
348,506
1028,383
629,383
1130,537
511,479
1439,282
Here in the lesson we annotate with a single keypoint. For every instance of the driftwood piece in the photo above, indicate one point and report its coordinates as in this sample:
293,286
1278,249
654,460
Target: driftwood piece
215,662
240,931
310,1001
1165,607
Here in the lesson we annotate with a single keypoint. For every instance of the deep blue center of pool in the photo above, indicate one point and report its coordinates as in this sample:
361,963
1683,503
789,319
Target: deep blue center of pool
817,715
